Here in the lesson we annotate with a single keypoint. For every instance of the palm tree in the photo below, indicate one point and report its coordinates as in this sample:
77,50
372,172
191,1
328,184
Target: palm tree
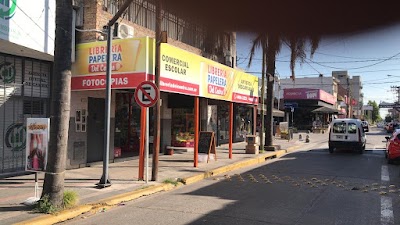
53,186
270,44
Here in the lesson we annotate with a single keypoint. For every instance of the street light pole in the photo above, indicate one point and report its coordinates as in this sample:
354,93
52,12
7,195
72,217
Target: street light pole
104,181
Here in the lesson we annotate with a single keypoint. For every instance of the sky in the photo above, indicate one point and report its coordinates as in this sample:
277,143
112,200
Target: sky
374,55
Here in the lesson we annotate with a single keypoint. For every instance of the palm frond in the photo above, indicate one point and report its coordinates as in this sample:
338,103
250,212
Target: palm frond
314,41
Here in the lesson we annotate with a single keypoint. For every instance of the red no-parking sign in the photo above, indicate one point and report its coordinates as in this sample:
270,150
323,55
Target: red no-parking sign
146,94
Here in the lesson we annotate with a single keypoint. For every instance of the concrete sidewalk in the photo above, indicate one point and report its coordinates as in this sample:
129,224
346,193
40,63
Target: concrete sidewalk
124,179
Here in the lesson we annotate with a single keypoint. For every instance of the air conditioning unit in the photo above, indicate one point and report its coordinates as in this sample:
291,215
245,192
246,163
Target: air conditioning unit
124,31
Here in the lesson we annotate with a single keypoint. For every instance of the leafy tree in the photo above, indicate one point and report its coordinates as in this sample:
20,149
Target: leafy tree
375,111
270,44
53,186
388,118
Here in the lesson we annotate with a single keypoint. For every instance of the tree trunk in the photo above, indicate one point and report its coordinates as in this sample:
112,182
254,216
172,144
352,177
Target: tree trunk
271,54
60,105
262,113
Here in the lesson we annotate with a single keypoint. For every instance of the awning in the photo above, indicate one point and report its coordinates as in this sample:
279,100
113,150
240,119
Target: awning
275,112
278,113
324,109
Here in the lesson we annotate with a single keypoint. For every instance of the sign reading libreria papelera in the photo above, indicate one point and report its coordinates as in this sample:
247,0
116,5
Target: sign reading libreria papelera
131,63
187,73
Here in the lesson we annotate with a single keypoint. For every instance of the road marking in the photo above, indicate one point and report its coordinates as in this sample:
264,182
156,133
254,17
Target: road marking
386,211
386,202
385,173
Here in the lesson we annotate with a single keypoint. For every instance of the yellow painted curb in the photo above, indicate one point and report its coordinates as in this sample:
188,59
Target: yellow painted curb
105,203
114,200
293,148
59,217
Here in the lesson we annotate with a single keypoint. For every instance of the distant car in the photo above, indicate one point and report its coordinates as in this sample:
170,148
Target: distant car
365,126
347,134
391,127
393,146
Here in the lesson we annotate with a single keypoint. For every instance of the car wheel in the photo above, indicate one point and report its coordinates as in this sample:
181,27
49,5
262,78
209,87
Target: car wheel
331,150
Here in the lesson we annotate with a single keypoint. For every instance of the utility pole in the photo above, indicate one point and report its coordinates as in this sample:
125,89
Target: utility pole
157,108
348,98
396,90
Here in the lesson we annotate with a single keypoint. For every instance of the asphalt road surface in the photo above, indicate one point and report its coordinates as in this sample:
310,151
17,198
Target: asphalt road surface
309,186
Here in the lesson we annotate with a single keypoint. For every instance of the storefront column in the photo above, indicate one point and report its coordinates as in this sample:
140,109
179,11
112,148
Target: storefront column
142,141
196,130
255,120
230,128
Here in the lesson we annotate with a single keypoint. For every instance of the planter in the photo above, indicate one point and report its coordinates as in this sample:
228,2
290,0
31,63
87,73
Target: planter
169,151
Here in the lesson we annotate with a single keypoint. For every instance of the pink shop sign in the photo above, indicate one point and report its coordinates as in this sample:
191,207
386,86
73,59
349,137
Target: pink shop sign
309,94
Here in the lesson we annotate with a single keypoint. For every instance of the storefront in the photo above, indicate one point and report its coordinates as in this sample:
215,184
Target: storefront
184,76
131,64
187,74
300,104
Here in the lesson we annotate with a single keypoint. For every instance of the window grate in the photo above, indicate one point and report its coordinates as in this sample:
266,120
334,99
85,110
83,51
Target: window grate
35,107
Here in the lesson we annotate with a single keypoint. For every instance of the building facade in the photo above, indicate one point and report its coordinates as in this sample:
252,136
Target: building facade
194,63
27,32
354,96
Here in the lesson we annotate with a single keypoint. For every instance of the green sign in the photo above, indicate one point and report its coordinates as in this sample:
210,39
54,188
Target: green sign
7,8
15,137
7,72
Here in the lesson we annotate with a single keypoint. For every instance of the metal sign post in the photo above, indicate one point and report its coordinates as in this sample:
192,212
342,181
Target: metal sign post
146,95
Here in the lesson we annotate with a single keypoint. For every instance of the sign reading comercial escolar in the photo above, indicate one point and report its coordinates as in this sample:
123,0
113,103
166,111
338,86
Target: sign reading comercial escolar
187,73
130,64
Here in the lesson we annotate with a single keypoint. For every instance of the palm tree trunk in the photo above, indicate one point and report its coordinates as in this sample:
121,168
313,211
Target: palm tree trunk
262,113
271,55
60,105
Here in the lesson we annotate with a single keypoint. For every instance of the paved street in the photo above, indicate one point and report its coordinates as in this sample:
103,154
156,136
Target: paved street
124,177
308,186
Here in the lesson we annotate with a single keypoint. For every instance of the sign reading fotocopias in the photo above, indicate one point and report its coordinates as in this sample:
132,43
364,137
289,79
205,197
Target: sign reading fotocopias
130,64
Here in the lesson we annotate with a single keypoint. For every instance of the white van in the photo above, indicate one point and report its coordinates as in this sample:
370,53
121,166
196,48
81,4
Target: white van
347,134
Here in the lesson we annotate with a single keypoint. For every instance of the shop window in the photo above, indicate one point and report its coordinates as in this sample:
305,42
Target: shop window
243,121
182,127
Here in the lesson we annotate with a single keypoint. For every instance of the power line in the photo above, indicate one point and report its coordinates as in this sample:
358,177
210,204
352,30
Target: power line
384,60
334,62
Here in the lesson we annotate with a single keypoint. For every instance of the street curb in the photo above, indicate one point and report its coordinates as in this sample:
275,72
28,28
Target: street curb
102,204
259,159
149,190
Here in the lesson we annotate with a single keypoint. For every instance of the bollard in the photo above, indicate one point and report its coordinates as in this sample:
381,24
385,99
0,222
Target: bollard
300,137
307,139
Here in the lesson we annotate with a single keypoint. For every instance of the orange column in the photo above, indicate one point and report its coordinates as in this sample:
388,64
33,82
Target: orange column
255,120
230,128
196,130
142,142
